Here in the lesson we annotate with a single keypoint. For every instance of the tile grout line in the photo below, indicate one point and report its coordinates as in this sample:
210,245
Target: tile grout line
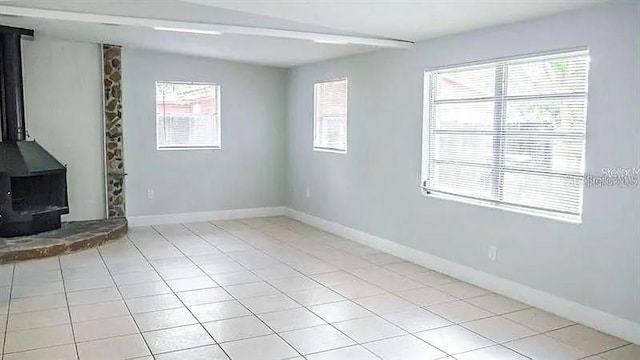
163,280
6,329
284,243
176,295
413,334
606,351
282,292
351,300
461,324
269,254
225,290
44,326
375,315
66,300
288,296
277,259
268,283
123,299
502,315
59,270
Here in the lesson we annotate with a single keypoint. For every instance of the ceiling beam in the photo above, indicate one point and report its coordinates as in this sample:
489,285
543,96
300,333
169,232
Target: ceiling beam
152,23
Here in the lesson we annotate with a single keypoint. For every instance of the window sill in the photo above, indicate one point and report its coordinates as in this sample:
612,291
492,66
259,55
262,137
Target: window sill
488,204
181,148
336,151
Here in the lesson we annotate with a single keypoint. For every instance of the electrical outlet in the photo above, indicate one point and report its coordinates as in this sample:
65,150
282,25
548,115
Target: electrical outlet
308,193
150,193
493,253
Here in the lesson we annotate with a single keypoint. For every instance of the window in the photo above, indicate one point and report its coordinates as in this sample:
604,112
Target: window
187,115
509,134
330,119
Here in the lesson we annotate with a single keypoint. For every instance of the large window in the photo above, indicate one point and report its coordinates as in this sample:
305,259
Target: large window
509,134
330,118
187,115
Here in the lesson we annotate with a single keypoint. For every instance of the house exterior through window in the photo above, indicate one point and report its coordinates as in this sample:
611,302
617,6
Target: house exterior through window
187,116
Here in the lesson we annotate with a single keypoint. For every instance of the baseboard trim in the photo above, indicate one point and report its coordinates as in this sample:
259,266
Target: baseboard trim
147,220
571,310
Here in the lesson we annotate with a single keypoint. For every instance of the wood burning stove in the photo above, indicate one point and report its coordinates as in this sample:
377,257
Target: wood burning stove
33,184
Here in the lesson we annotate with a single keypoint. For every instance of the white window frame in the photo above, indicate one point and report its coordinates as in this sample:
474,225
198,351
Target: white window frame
500,98
315,118
218,92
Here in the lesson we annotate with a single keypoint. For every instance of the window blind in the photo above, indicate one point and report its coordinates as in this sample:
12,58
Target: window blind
509,134
330,119
187,115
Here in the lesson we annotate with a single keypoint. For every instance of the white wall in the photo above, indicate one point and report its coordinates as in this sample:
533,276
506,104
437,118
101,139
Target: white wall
63,109
249,170
374,188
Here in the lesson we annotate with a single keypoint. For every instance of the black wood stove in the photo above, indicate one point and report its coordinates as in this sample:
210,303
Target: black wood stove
33,184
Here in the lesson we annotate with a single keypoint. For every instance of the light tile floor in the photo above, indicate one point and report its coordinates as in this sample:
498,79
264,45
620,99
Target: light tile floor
269,288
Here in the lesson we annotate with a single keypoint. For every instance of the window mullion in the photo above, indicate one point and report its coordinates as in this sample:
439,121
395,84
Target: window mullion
499,118
431,128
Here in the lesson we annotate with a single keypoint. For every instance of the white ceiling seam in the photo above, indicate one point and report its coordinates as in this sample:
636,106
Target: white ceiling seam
202,27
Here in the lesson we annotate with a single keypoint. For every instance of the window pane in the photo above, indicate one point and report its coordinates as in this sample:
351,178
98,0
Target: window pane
187,115
464,148
543,191
465,84
465,116
330,119
469,181
332,98
331,132
548,76
544,154
547,115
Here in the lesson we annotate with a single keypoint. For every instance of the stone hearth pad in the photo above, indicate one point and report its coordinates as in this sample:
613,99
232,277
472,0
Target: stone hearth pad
72,236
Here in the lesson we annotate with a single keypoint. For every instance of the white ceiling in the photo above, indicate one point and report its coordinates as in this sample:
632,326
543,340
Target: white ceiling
402,19
251,49
405,20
